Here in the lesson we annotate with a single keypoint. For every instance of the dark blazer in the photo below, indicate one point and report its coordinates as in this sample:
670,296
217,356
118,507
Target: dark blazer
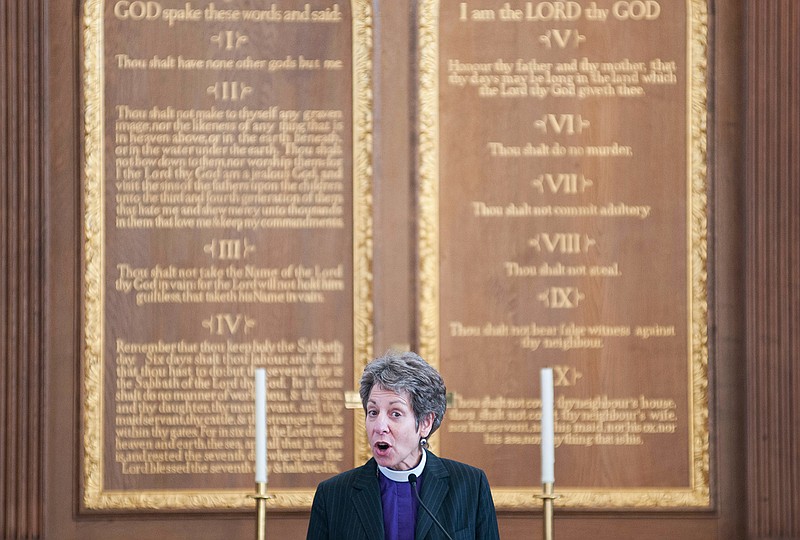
348,506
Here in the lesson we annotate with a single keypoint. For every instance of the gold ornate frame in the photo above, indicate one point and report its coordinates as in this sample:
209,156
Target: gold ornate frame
697,495
95,496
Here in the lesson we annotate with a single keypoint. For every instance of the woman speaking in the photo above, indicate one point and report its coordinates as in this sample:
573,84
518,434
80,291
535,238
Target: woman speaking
404,492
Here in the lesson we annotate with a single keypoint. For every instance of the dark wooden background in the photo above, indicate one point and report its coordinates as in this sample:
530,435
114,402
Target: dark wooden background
754,129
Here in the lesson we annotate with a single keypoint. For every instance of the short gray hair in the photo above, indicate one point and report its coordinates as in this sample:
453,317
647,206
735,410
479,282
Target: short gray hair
407,372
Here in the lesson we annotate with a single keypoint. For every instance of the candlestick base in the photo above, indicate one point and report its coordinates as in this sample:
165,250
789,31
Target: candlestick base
261,498
548,498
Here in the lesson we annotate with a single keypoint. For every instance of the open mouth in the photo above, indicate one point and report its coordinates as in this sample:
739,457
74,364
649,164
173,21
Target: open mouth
382,446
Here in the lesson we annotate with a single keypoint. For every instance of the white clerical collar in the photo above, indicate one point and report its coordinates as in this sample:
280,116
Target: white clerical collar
402,476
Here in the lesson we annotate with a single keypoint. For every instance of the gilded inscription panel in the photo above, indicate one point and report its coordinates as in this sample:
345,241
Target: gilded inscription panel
563,224
226,196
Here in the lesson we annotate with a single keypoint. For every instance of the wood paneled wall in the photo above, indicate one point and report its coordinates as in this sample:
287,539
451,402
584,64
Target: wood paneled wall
21,272
31,171
773,268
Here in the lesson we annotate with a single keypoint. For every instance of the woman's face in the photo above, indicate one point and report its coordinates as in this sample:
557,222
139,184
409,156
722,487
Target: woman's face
392,431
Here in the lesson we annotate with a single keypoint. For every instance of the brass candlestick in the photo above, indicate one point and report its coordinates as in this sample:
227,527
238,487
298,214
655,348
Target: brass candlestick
548,497
261,498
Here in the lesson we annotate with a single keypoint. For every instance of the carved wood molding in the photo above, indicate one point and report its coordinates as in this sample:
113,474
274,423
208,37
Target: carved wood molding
21,243
773,268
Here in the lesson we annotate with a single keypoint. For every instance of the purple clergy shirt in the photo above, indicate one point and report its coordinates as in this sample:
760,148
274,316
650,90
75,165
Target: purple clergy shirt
399,509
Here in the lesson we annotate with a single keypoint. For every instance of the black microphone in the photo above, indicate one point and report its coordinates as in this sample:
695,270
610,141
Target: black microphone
412,479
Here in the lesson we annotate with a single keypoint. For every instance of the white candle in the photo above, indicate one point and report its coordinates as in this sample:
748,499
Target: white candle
548,447
261,425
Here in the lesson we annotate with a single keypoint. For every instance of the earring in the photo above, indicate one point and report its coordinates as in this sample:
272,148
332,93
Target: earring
423,442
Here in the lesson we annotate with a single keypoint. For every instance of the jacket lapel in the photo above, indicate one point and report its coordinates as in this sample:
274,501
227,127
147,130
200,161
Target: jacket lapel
367,501
435,487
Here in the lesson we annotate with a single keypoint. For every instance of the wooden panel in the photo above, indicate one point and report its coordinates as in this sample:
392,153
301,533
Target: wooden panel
21,243
773,268
727,335
564,164
253,200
